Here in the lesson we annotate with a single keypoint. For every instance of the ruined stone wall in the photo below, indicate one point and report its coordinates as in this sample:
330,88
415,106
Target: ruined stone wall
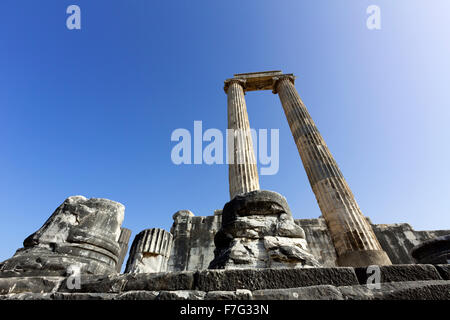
398,239
193,247
193,241
319,240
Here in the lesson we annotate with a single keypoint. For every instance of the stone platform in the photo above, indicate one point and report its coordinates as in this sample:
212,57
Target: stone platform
398,282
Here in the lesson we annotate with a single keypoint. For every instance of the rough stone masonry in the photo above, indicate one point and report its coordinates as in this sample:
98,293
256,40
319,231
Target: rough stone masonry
251,249
81,233
258,231
40,270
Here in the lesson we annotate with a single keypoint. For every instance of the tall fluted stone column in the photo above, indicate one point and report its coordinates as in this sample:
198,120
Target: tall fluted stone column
243,172
353,237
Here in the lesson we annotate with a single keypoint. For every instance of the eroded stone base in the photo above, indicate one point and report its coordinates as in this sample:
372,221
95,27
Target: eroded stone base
80,236
258,231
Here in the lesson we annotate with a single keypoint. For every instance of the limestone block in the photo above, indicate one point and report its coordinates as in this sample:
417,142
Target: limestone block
242,170
137,295
181,295
252,227
113,283
324,292
170,281
398,239
81,232
29,284
273,278
288,252
83,296
409,290
240,294
245,253
27,296
258,231
400,273
124,238
193,242
288,228
353,237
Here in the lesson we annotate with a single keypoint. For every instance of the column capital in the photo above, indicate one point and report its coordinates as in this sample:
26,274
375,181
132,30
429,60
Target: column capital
228,82
278,79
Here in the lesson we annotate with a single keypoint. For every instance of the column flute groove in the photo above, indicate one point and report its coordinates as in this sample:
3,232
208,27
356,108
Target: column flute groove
352,235
243,172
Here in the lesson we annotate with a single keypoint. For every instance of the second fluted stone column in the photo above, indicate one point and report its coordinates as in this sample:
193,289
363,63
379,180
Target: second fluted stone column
353,237
243,172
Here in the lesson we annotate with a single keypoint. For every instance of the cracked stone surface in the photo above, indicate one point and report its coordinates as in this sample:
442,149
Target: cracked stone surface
435,251
81,233
416,282
258,231
150,251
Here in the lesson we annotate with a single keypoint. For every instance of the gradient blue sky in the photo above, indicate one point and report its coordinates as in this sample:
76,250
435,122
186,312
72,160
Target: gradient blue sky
91,112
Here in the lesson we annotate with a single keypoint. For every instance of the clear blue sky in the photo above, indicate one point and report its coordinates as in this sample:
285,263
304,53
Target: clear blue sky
91,112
